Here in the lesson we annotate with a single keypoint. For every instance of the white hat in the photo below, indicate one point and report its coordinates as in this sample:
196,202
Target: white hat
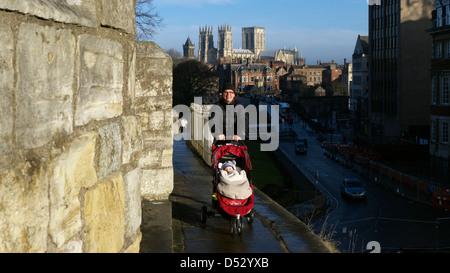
231,164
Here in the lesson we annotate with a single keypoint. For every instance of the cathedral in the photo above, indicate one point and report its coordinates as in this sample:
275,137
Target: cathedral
253,47
252,44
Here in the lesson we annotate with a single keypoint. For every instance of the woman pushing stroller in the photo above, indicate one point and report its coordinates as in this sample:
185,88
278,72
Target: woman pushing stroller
232,186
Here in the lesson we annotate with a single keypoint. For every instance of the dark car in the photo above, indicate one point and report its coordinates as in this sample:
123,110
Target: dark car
300,147
353,188
301,139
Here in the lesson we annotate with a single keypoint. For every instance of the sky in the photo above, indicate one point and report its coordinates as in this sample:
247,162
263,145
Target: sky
323,30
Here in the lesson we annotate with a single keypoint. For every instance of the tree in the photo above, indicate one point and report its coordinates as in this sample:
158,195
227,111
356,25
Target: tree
175,54
148,20
339,88
192,79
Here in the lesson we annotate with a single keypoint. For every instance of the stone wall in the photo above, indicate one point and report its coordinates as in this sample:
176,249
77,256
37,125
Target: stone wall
153,100
83,137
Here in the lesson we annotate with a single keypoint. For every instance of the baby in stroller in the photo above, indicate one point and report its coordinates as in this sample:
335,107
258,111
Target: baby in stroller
232,196
233,182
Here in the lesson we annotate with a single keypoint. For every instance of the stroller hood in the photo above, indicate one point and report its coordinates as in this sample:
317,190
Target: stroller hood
237,150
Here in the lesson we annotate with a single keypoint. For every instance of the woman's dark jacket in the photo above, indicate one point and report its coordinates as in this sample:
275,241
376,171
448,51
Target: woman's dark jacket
239,114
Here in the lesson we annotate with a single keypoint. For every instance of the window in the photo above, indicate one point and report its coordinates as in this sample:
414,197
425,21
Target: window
439,51
447,15
447,53
433,90
444,136
433,131
444,90
439,17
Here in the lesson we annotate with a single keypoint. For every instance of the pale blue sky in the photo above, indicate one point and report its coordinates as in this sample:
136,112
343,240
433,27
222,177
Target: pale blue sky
323,30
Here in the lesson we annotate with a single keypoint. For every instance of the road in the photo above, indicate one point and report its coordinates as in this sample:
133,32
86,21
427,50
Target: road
384,220
393,222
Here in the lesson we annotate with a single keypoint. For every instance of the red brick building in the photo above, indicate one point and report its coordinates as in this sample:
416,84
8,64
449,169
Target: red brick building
245,76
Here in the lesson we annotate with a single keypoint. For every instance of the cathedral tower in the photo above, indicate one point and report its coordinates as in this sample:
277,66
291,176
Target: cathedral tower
189,49
206,51
254,39
225,42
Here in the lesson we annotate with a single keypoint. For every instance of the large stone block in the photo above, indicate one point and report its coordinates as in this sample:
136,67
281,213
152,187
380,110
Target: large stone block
151,158
154,70
6,86
150,104
157,139
131,138
109,150
44,86
104,210
133,210
82,12
24,206
156,158
71,171
100,79
156,184
119,14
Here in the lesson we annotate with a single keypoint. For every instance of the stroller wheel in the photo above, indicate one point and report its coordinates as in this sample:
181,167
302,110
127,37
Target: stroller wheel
203,214
250,217
239,225
236,225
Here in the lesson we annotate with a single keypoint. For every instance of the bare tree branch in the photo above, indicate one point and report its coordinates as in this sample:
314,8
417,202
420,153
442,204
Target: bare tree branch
148,20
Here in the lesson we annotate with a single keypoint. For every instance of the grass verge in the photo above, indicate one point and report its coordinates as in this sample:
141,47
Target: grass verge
265,169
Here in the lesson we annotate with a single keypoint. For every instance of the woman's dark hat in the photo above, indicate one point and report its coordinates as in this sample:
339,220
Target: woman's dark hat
228,86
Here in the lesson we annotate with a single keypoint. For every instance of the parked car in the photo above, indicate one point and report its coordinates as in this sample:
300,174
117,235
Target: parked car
300,147
353,188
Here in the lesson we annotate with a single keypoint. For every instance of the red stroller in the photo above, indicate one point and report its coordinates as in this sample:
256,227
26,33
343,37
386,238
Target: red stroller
232,209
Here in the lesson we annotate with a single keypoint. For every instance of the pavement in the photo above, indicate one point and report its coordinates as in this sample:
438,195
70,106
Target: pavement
174,226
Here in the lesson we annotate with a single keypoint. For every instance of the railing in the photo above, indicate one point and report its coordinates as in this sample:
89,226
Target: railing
200,139
403,184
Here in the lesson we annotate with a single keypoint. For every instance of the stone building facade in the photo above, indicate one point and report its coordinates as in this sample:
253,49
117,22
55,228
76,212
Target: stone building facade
440,76
399,82
85,132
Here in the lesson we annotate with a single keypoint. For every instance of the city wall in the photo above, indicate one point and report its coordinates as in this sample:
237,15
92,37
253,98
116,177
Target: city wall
85,127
